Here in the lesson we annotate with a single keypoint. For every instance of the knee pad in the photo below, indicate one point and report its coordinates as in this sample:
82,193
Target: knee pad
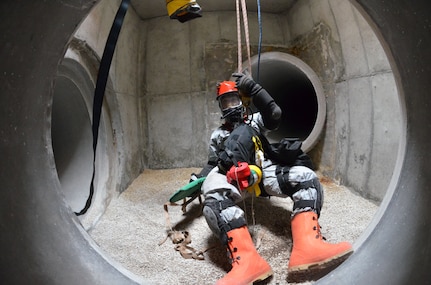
212,219
212,211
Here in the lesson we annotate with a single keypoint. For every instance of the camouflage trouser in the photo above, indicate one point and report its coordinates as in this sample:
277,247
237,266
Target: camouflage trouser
297,182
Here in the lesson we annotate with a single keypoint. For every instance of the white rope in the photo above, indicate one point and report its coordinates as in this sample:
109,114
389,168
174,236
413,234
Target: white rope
246,31
238,29
247,35
247,42
244,204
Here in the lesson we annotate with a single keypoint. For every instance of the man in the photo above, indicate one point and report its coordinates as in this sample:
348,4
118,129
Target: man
241,158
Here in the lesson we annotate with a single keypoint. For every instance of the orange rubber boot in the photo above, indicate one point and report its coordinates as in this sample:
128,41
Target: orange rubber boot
247,265
311,256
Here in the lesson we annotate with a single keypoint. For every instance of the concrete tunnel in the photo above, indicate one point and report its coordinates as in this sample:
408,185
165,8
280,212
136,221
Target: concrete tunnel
43,242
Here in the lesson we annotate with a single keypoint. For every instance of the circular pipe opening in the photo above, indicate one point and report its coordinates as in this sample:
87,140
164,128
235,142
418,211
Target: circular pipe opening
72,138
298,91
72,141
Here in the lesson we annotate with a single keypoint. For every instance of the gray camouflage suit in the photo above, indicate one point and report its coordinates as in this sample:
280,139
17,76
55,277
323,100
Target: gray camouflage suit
300,183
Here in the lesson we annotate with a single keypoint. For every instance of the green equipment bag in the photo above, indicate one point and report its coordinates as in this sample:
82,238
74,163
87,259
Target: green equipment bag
187,190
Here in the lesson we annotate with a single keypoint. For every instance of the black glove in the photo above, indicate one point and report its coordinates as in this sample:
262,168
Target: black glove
246,84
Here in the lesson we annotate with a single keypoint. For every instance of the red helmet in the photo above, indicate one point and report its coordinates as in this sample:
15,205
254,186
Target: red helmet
226,87
229,101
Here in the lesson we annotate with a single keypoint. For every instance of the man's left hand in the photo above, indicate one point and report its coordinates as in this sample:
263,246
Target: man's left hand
246,84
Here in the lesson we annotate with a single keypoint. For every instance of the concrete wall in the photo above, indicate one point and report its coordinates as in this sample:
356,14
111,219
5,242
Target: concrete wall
363,130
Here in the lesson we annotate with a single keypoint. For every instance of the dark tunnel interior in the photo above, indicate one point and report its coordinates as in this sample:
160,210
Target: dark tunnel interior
298,91
295,94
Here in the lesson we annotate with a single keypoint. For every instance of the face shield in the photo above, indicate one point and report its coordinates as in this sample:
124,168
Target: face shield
231,107
229,101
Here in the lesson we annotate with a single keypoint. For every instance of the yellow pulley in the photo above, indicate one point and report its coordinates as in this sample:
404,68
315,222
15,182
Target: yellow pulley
183,10
257,173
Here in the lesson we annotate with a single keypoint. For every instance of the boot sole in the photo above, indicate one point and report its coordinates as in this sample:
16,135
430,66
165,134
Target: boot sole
262,277
312,272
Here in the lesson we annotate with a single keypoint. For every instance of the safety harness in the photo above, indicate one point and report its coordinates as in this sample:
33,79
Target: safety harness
239,147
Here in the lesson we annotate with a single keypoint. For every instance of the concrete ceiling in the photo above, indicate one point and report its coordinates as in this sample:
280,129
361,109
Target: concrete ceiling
157,8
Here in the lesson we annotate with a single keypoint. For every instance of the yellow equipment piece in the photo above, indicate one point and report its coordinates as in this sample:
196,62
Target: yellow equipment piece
255,186
183,10
258,149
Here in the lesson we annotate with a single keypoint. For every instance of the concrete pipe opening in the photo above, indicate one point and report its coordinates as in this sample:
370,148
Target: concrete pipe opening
298,91
71,134
72,140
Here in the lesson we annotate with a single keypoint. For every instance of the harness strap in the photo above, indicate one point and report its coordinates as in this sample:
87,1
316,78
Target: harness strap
224,204
304,204
182,239
258,150
217,207
305,185
282,173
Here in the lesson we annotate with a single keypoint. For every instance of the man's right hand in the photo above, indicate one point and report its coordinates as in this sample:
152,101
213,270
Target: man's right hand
194,177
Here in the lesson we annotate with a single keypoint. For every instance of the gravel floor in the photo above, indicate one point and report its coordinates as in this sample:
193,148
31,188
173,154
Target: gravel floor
134,225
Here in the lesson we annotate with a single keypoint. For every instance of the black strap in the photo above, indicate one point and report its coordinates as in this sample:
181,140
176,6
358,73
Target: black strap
281,172
99,92
301,204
